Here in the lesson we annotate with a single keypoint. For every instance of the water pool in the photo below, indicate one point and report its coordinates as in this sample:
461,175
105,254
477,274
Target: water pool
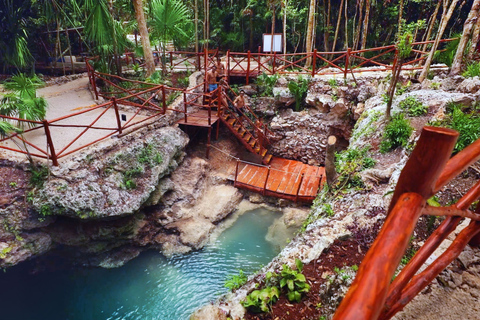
149,287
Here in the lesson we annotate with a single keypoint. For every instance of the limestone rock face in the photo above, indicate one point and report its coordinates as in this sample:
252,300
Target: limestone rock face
117,184
470,85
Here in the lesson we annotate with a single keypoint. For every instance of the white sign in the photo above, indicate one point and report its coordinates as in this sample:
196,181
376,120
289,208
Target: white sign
267,42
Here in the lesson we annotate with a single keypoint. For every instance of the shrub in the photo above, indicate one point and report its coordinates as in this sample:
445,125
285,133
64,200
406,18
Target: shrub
236,281
468,125
266,83
261,300
294,281
396,134
299,90
413,107
473,70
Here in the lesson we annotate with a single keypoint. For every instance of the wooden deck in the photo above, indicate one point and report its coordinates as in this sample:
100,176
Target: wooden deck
286,179
199,119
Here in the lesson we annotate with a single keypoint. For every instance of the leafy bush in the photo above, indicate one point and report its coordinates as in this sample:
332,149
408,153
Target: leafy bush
468,125
266,83
236,281
473,70
299,90
261,300
349,163
413,107
294,281
396,134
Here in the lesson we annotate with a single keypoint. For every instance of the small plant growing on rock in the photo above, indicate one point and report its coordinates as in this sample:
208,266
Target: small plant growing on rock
294,281
266,83
261,300
299,90
473,70
234,281
413,107
397,132
468,125
349,163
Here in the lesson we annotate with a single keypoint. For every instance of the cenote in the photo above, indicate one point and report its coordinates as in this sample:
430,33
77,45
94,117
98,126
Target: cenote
148,287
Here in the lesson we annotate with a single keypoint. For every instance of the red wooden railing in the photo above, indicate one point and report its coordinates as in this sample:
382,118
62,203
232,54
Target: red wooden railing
429,169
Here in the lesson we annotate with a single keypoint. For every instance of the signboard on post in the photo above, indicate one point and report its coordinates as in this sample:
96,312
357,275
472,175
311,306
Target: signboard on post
267,42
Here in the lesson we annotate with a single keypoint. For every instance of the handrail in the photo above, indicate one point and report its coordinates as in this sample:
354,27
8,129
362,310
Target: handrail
371,295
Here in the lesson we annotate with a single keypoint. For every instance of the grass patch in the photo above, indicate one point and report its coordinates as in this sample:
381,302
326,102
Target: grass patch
413,106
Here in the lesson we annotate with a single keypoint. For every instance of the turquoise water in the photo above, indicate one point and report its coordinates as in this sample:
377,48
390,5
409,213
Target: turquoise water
149,287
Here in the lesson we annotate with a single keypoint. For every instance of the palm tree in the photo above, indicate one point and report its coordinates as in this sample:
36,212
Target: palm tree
142,29
13,41
22,102
170,21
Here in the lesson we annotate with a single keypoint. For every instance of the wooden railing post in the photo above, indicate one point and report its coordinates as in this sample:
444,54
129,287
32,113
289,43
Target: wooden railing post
228,65
266,179
50,143
248,66
209,109
236,174
185,105
273,63
171,59
259,58
314,62
117,115
347,63
164,101
94,83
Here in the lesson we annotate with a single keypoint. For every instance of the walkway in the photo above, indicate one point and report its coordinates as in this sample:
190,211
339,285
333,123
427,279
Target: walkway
286,179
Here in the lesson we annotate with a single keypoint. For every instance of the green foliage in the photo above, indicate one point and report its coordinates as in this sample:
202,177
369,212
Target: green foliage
413,107
261,300
349,163
468,125
401,89
294,281
327,210
149,155
130,175
333,83
397,132
472,70
4,252
234,281
299,90
156,78
38,175
448,54
266,83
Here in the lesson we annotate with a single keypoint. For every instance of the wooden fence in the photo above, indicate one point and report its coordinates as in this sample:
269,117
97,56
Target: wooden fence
372,295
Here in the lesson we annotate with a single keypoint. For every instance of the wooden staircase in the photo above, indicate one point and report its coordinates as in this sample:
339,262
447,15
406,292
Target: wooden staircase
246,137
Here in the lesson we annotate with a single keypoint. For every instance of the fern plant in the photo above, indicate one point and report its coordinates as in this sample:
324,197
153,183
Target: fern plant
299,90
397,133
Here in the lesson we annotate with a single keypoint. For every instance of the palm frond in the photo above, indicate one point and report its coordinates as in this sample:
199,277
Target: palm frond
6,128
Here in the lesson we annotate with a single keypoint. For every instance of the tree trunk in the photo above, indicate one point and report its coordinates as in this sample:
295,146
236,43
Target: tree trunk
309,38
326,33
356,39
443,25
196,26
273,28
475,40
142,29
338,25
400,16
285,4
467,31
346,25
330,170
431,24
365,24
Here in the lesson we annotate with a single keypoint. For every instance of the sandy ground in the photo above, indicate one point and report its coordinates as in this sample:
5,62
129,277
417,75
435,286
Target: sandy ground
69,134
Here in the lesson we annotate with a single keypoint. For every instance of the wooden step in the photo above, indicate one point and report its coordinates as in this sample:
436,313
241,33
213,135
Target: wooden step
267,159
231,121
263,152
241,131
252,143
247,137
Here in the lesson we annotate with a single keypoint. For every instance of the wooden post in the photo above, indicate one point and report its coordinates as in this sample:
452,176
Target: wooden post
330,170
94,83
185,105
117,115
248,66
266,179
164,102
209,110
259,58
171,59
218,130
199,64
236,174
273,63
314,63
208,141
50,143
299,186
228,65
347,63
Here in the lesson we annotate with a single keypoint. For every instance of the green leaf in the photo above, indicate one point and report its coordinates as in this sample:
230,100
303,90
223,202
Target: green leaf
299,264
